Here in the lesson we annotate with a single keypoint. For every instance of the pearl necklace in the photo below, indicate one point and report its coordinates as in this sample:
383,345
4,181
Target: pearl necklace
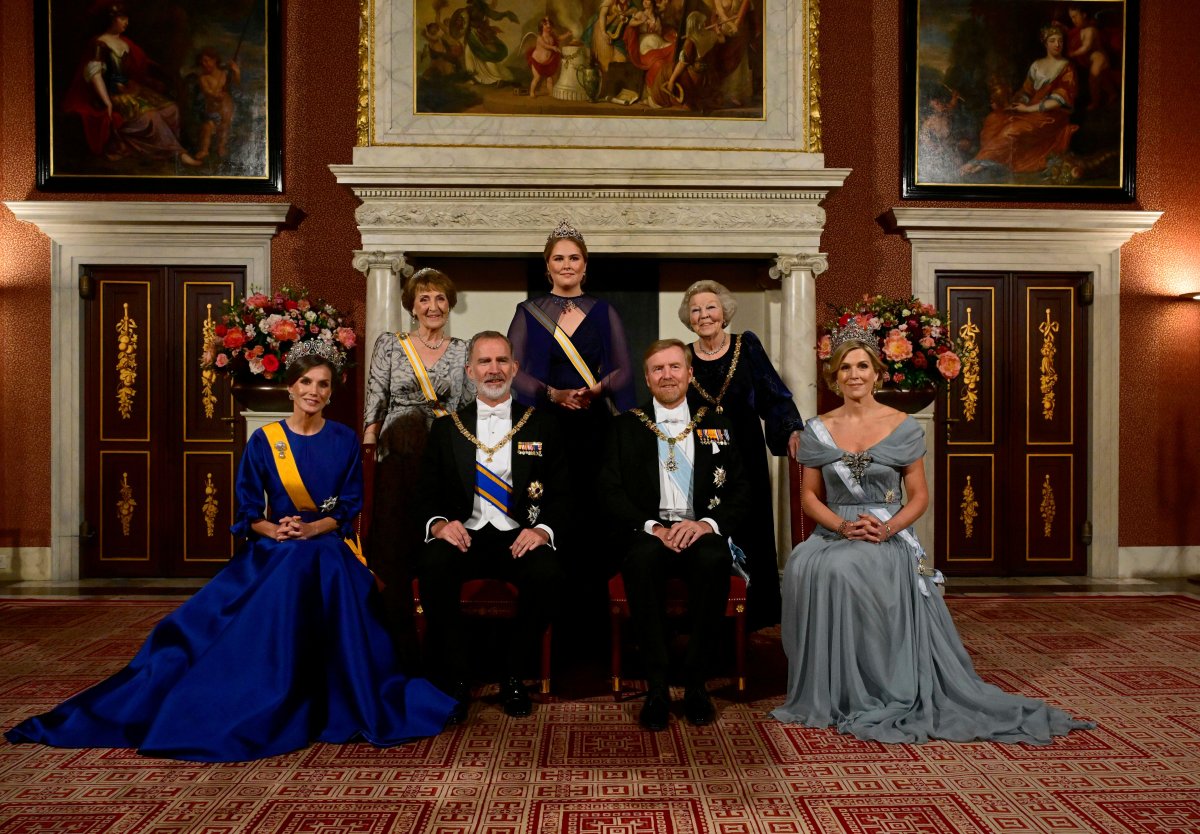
435,346
715,350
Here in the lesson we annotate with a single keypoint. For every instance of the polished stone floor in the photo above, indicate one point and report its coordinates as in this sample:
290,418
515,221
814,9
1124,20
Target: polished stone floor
960,585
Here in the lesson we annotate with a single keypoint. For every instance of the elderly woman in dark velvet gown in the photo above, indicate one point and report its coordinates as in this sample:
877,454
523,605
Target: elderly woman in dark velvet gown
734,375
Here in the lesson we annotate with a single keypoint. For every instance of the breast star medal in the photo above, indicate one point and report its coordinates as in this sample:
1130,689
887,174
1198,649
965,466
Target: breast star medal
535,490
281,448
719,476
329,503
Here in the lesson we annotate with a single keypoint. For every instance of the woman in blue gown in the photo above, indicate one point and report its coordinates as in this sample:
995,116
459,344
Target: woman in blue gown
283,647
871,647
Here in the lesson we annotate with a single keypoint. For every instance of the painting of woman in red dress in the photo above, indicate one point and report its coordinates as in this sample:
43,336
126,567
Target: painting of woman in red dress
1036,124
120,101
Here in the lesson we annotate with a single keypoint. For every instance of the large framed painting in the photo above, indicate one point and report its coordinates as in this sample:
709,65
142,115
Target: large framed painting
159,96
1020,100
657,74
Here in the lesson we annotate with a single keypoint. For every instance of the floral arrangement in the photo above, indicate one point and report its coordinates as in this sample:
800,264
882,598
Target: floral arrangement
914,340
253,336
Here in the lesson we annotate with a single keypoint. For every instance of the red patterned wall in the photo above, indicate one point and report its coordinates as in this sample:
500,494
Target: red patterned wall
861,59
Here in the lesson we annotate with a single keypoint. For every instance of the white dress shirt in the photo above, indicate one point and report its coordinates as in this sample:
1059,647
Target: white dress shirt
491,424
673,504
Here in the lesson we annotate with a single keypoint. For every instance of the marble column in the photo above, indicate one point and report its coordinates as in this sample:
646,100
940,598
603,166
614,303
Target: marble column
798,325
385,271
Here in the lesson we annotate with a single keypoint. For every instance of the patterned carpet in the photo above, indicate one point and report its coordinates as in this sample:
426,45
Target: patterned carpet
582,766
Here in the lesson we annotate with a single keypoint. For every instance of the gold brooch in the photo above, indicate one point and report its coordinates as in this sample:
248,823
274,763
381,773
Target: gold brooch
535,490
281,447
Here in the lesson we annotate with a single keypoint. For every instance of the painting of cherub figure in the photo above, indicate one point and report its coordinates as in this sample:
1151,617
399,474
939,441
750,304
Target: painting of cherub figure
1023,94
590,57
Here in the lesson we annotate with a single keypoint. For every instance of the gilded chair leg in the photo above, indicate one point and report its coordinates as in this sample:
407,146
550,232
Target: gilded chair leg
545,686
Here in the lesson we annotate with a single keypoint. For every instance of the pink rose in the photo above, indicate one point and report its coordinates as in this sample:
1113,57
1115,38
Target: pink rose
949,364
927,342
896,347
222,360
345,336
863,320
303,304
285,330
898,378
258,300
824,347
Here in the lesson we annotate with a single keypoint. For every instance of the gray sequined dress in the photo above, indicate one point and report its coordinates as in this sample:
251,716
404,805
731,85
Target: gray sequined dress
868,651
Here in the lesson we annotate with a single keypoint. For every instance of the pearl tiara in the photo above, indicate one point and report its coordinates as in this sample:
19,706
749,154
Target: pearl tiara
315,347
564,230
851,332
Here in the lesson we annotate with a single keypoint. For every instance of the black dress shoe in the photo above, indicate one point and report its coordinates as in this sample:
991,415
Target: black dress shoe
698,707
514,697
460,692
656,712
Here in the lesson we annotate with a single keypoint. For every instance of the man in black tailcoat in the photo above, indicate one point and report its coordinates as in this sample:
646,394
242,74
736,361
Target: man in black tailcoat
674,487
494,490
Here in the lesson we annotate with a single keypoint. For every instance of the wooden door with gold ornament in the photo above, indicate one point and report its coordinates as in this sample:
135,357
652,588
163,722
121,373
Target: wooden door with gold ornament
1011,463
159,448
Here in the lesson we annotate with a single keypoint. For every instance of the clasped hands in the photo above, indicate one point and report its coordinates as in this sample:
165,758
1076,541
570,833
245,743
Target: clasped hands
573,399
292,527
456,533
866,528
682,534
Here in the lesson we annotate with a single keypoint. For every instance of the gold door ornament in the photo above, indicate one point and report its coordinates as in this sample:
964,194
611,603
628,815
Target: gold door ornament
127,341
969,333
1048,329
208,376
968,509
1047,507
126,504
209,506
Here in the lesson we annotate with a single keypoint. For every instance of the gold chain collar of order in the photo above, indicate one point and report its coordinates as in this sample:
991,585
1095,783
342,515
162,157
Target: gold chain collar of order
737,351
479,444
671,465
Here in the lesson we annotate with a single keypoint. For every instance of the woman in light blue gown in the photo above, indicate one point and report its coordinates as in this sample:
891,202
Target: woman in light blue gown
871,646
283,647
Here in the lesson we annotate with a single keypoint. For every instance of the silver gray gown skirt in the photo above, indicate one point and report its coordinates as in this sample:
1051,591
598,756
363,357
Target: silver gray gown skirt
870,643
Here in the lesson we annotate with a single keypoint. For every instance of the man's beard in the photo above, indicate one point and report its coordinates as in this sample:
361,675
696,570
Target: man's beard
495,390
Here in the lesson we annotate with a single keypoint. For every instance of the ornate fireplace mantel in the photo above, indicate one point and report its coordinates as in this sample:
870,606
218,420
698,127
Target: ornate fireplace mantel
501,202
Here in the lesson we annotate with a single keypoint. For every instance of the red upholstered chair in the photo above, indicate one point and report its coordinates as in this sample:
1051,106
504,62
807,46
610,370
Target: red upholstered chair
802,525
488,598
618,611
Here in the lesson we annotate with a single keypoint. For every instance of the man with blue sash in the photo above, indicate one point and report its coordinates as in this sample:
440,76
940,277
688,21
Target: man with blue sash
674,488
493,489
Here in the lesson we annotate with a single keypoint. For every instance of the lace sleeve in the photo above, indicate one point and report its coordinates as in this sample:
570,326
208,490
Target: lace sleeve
375,405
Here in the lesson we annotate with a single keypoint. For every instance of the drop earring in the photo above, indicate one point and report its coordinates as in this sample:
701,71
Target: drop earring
413,319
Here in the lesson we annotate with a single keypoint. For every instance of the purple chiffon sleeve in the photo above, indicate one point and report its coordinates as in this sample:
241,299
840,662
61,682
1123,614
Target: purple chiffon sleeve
618,382
529,384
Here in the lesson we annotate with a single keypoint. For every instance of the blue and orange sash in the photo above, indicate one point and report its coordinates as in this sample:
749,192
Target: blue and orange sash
492,488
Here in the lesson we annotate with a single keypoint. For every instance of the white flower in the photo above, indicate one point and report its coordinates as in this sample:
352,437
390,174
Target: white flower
256,366
268,324
310,316
906,312
250,333
935,322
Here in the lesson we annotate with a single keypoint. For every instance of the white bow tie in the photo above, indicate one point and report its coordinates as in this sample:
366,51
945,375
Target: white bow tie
674,417
494,412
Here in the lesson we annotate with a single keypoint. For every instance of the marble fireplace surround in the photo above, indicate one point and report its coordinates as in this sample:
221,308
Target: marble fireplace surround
94,233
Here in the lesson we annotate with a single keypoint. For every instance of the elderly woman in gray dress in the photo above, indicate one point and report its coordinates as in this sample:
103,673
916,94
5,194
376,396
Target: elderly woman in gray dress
414,378
871,647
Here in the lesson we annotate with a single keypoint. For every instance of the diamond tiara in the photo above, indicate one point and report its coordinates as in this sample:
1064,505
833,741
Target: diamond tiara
564,230
851,332
314,347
